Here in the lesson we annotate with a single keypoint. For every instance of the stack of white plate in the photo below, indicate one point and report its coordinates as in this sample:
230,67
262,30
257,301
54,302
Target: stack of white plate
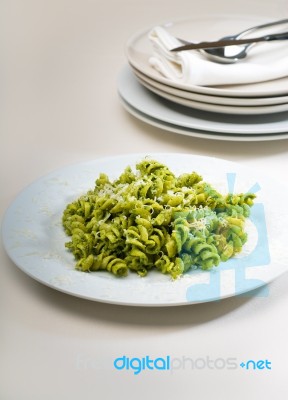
256,111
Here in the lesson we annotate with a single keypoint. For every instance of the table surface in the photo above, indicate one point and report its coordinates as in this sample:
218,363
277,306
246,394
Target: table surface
59,105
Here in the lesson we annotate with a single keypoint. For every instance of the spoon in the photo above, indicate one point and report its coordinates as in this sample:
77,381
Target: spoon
232,54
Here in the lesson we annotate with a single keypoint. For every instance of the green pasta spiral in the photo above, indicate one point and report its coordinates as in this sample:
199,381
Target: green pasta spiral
150,219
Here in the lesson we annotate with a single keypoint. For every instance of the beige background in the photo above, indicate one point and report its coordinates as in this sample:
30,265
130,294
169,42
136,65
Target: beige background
59,105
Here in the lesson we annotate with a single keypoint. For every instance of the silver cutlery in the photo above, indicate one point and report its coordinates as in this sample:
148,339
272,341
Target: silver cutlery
217,51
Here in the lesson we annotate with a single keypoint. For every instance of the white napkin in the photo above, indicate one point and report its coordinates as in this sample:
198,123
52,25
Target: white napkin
265,61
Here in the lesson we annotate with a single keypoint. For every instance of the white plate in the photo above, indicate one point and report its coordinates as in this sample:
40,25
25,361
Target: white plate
34,239
200,133
163,110
139,50
221,100
217,108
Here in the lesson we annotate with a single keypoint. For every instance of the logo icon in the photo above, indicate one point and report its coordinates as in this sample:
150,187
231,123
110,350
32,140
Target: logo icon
260,256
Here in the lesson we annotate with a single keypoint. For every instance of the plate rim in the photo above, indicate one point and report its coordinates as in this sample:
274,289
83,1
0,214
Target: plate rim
132,91
201,134
212,99
217,108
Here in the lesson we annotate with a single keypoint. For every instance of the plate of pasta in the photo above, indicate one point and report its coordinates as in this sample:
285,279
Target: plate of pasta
158,229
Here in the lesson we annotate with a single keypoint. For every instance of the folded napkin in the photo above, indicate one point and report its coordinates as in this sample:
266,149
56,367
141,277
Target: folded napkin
193,68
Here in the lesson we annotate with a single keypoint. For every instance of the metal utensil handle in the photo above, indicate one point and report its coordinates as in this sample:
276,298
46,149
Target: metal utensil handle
278,36
263,26
229,42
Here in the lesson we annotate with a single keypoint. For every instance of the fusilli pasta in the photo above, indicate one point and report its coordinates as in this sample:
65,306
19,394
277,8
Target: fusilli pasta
151,219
